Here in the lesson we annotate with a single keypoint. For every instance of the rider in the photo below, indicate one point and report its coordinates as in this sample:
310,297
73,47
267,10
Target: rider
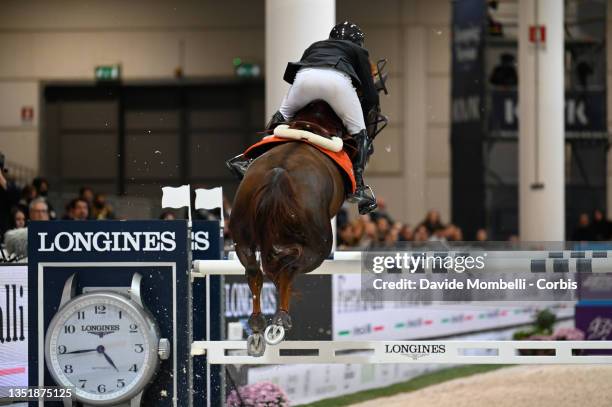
336,70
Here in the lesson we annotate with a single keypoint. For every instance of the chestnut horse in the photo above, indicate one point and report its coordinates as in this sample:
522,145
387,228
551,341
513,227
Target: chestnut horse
283,209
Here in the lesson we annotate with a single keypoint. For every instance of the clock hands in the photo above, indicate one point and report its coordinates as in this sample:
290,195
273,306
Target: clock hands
100,349
80,351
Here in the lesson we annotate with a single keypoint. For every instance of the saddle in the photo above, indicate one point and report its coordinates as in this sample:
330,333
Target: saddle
315,120
319,119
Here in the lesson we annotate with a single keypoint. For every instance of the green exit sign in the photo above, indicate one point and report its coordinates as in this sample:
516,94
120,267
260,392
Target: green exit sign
108,72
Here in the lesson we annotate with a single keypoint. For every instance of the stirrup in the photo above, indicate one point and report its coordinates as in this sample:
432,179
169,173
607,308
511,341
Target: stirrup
367,195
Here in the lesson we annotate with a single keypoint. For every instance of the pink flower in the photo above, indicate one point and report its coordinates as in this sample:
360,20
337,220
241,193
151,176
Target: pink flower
264,394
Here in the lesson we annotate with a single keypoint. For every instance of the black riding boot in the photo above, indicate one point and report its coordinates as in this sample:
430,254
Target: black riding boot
363,196
238,165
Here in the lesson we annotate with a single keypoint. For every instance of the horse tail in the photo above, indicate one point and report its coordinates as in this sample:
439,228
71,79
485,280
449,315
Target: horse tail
278,221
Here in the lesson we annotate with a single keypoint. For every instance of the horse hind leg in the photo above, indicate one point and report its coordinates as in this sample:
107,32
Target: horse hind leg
281,322
257,322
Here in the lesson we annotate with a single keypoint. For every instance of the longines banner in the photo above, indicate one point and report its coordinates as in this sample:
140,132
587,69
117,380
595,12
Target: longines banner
106,255
13,325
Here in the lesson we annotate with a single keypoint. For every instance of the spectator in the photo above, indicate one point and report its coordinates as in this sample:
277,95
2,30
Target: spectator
392,237
41,185
87,194
482,235
405,234
167,215
18,218
454,233
583,232
421,234
432,222
28,193
9,196
77,209
39,209
346,238
369,236
600,226
101,209
383,227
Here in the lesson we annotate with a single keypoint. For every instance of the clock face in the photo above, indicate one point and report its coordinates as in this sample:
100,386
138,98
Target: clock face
102,346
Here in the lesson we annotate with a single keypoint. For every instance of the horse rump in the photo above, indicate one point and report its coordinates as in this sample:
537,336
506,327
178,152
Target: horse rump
278,221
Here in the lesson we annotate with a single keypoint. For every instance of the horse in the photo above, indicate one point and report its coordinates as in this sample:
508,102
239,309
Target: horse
282,209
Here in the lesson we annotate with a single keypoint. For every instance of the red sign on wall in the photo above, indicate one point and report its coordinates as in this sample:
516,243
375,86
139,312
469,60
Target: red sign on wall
27,114
537,34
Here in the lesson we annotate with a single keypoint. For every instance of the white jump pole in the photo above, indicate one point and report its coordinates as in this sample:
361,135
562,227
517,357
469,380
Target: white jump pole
385,352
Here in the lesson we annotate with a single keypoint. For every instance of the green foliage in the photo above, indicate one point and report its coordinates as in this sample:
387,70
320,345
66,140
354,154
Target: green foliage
545,320
543,325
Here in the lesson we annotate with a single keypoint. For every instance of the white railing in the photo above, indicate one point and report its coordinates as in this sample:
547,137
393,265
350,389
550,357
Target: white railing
366,352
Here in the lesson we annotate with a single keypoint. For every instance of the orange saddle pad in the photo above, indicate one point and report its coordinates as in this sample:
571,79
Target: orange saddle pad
341,158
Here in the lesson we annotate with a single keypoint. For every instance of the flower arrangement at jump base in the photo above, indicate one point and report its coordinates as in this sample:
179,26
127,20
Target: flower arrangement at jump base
543,330
264,394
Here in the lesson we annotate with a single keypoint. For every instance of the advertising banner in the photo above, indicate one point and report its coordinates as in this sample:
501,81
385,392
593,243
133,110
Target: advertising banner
13,325
585,115
467,111
355,319
595,320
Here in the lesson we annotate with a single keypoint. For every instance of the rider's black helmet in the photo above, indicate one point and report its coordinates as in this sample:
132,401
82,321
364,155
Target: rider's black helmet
348,31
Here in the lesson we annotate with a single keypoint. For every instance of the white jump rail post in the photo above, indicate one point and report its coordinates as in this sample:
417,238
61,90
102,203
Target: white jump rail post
418,351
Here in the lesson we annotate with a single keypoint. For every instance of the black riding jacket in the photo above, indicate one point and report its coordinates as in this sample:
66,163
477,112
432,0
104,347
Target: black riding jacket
345,56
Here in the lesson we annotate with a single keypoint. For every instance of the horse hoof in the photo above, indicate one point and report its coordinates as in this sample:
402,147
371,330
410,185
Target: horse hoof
256,345
283,318
274,334
257,322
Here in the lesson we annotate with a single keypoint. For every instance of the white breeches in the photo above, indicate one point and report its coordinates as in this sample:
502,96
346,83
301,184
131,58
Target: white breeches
331,85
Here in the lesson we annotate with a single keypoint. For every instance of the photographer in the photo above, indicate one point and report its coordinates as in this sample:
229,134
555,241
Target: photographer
9,196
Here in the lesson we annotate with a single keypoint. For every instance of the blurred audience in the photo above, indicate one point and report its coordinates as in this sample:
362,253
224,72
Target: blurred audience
18,206
598,229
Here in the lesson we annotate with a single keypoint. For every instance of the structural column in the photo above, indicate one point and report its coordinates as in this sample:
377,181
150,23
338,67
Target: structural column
542,128
291,26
